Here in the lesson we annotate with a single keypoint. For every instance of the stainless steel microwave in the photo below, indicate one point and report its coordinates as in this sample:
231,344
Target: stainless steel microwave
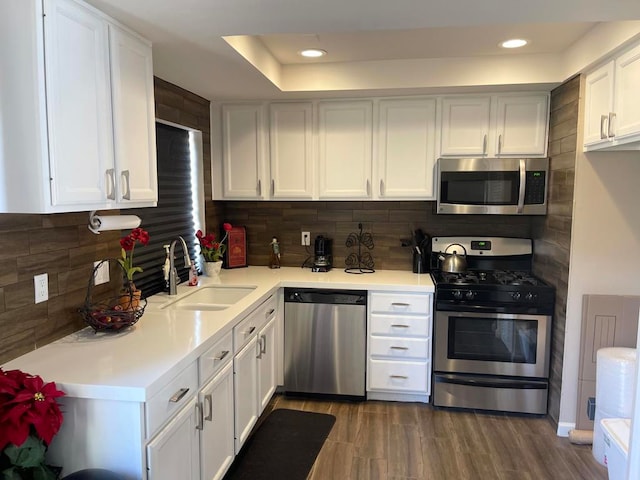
494,186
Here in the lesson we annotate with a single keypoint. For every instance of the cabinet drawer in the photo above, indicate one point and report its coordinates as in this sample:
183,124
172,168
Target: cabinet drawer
168,401
399,376
253,322
399,348
401,325
401,302
213,359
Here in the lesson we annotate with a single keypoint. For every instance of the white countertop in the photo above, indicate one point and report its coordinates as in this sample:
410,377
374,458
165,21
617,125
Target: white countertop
135,364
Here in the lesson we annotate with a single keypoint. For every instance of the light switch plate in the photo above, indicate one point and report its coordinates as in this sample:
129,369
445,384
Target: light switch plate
41,287
102,274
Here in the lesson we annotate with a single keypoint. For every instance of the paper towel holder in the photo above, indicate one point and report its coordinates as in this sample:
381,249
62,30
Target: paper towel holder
98,223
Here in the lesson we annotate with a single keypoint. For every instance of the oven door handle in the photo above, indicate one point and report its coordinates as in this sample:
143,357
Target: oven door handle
523,185
491,383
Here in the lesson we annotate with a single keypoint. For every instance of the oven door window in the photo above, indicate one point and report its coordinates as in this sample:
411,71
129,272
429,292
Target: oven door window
480,188
491,339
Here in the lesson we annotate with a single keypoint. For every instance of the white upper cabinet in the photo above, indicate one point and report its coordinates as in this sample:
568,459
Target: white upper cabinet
612,104
82,135
406,149
344,149
243,154
465,126
134,117
291,146
495,126
521,125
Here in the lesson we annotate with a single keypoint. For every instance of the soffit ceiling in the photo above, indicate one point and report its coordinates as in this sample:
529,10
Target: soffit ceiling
375,46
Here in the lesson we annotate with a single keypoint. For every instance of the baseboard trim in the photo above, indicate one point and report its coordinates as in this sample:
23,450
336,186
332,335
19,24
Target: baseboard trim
564,428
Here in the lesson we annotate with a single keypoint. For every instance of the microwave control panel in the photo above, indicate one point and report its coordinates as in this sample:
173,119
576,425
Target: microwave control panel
535,187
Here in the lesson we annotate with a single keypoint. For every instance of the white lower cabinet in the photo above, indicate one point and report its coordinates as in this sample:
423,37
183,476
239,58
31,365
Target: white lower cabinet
173,453
399,346
245,383
267,364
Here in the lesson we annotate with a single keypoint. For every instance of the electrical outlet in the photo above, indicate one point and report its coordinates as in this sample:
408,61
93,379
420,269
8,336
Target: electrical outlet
102,274
41,286
306,239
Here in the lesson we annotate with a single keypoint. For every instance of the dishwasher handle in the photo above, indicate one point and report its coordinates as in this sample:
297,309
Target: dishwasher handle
325,296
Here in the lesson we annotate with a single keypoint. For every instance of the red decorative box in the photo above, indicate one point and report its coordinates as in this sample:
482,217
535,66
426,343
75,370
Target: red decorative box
236,254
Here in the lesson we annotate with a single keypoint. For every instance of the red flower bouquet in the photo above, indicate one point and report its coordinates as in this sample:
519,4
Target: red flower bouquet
29,419
212,250
128,243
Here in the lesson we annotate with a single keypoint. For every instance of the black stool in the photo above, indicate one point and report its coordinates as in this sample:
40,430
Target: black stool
93,474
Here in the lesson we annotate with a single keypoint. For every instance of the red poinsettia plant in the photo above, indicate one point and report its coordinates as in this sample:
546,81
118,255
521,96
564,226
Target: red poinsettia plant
211,249
128,243
29,419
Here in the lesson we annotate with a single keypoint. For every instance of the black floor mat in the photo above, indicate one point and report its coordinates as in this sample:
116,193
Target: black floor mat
285,446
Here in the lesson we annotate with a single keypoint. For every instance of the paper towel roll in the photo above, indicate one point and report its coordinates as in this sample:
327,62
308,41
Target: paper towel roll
615,381
99,223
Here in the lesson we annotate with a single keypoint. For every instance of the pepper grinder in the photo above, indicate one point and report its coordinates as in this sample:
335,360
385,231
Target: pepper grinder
274,259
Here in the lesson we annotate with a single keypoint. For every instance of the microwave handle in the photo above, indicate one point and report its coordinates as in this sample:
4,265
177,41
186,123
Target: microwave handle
523,184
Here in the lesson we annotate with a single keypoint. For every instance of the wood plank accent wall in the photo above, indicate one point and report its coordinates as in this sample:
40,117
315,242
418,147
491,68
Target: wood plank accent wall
552,233
63,247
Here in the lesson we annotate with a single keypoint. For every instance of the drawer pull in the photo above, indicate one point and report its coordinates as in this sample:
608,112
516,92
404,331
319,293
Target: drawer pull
399,325
400,304
179,395
199,421
268,314
223,354
208,400
403,377
249,332
399,348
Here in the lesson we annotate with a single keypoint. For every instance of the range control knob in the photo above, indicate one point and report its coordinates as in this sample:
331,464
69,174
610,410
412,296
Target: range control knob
530,297
457,294
516,295
470,295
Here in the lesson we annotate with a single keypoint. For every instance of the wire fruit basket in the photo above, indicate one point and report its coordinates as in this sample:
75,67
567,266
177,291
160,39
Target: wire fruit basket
113,314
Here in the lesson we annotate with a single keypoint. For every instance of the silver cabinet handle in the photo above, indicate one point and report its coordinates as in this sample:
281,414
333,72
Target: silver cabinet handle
259,188
484,144
263,341
273,187
111,183
398,348
381,187
499,144
199,421
259,347
208,400
603,120
179,395
368,187
249,332
126,188
610,132
268,314
400,304
399,325
403,377
223,354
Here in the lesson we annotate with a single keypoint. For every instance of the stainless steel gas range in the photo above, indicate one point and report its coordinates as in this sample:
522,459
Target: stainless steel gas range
492,328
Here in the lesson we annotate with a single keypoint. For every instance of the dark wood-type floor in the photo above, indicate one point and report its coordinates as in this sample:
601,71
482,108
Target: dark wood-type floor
399,441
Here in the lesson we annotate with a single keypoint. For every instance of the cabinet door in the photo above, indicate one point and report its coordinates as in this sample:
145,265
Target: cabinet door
627,100
266,364
174,452
242,151
598,104
522,125
406,148
291,141
78,104
245,383
345,136
465,126
216,437
133,118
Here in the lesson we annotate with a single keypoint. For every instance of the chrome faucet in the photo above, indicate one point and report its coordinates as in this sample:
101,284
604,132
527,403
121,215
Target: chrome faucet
173,273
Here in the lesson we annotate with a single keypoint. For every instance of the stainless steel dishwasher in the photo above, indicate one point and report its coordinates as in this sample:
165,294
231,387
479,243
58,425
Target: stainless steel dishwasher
325,342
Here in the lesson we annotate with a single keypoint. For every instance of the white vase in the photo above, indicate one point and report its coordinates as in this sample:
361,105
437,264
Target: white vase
212,269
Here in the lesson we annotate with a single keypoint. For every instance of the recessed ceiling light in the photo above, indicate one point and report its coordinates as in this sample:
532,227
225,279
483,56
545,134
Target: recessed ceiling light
514,43
312,52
